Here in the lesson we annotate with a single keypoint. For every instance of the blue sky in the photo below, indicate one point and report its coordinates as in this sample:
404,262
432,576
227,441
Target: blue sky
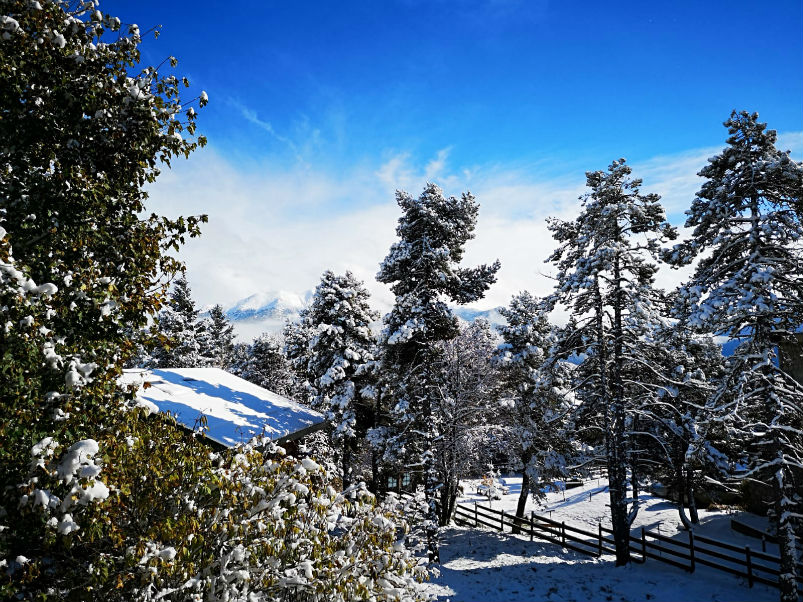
318,111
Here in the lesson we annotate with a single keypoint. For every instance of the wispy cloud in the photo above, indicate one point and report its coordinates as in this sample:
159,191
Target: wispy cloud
251,116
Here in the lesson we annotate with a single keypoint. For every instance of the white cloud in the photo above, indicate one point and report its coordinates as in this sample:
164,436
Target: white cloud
277,229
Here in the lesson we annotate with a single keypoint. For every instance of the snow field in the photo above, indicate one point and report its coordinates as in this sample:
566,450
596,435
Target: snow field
484,565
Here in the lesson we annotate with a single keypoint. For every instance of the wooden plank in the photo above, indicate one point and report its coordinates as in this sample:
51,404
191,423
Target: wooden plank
750,531
666,560
547,520
585,542
680,554
734,559
720,567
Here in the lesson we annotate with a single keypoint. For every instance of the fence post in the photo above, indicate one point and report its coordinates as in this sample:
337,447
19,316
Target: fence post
532,524
749,565
763,544
599,545
563,533
691,550
502,521
476,523
643,546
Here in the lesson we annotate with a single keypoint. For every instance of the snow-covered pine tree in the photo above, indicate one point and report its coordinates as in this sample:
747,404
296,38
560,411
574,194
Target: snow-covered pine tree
220,335
605,277
748,285
468,416
536,392
267,366
422,269
339,361
177,330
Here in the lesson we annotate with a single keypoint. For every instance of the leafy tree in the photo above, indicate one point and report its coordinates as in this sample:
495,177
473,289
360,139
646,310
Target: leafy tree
468,416
422,269
748,285
98,500
535,390
81,131
605,277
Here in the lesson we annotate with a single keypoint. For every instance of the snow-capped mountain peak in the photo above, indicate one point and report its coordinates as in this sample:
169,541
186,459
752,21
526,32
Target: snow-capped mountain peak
269,305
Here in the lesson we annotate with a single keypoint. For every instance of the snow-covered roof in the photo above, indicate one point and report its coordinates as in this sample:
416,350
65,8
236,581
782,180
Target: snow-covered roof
235,409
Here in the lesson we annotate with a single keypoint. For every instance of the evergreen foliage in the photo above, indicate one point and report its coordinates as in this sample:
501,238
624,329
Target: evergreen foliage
605,277
536,391
221,339
182,338
748,285
339,361
267,366
422,269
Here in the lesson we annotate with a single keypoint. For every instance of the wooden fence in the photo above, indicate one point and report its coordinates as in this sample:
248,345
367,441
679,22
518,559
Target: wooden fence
686,554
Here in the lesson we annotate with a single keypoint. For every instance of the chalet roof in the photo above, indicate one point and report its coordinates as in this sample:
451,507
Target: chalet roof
235,409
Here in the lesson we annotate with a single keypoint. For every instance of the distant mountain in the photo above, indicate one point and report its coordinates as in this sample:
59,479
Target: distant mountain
469,314
270,305
264,312
268,311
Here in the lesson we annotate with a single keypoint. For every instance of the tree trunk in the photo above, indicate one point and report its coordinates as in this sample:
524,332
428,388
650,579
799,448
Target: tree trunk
695,518
346,459
448,500
617,457
633,513
525,492
787,580
680,490
431,481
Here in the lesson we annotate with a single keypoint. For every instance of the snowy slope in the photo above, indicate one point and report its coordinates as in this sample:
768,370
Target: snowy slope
235,409
484,565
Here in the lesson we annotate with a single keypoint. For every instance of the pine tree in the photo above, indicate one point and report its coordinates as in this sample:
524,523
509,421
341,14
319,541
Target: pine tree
535,390
748,285
221,339
339,361
605,277
267,366
178,331
421,269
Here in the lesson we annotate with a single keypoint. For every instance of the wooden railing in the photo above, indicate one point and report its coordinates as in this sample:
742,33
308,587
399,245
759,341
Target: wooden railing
686,554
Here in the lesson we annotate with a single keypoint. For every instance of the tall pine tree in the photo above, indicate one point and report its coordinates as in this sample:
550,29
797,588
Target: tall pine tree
748,285
605,276
422,271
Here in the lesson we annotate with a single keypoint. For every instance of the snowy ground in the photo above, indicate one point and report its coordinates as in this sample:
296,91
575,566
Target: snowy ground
483,565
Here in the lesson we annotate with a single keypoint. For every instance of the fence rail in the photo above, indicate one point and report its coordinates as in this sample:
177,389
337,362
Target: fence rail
753,565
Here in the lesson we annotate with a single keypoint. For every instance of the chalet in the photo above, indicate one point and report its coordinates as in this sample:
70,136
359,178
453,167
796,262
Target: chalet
235,410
